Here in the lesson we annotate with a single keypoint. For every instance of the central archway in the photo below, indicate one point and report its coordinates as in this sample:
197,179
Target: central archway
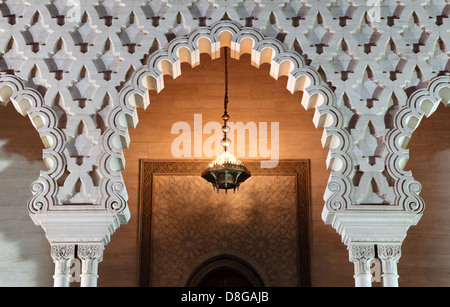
241,40
225,268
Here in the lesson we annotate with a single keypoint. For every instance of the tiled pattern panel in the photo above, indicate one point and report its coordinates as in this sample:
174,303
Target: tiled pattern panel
189,221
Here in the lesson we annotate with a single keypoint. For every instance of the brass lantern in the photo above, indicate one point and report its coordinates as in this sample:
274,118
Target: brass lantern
226,172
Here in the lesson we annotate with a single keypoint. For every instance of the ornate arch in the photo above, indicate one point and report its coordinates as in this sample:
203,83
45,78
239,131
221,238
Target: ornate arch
225,258
241,40
29,102
421,103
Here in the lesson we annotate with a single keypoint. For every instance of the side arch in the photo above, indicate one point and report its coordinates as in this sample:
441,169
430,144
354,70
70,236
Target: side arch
29,102
422,103
241,40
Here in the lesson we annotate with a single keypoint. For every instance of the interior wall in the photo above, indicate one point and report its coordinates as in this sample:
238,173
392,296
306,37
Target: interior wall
262,99
24,251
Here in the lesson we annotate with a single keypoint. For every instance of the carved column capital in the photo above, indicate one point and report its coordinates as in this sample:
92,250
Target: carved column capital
90,254
62,251
389,254
361,255
62,255
361,252
90,251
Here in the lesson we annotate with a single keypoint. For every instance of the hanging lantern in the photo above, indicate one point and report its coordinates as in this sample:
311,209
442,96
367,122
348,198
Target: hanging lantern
226,172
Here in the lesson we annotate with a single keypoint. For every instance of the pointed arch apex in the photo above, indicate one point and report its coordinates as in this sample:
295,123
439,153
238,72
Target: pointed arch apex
263,50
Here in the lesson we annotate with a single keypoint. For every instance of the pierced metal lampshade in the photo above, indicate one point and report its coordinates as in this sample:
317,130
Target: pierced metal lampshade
226,172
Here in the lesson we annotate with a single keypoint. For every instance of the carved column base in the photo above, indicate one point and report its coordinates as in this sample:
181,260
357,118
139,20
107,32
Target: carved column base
370,226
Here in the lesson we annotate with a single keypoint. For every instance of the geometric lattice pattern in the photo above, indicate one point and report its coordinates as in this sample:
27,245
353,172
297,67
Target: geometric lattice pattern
73,57
74,54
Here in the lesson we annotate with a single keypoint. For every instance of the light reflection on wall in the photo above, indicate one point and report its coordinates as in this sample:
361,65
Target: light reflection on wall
24,251
3,163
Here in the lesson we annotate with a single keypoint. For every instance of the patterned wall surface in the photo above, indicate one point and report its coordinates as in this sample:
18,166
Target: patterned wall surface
183,220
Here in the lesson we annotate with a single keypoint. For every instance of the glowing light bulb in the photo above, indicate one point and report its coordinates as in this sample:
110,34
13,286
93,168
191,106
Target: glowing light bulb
226,158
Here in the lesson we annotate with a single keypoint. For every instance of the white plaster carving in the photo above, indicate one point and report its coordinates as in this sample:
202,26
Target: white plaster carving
361,255
422,103
370,80
389,254
29,102
62,255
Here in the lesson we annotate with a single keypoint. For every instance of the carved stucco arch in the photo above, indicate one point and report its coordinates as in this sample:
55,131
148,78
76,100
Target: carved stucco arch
29,102
422,103
241,40
229,258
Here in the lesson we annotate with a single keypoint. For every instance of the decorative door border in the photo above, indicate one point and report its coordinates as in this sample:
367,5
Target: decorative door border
149,168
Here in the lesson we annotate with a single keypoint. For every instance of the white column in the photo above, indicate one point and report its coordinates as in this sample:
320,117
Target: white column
361,255
90,254
389,254
62,255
